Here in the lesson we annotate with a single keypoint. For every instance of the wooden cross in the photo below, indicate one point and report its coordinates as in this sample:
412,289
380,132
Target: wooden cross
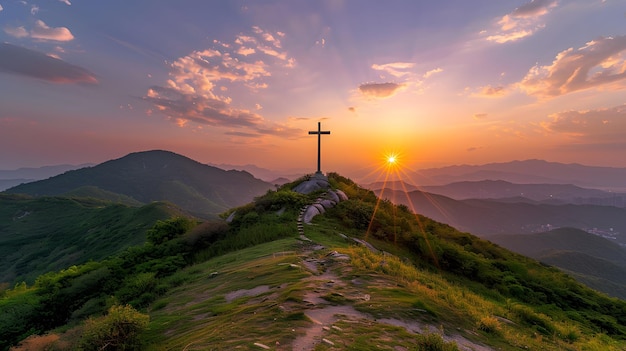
319,133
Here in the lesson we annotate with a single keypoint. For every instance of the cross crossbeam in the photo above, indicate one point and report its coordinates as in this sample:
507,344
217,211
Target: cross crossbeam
319,133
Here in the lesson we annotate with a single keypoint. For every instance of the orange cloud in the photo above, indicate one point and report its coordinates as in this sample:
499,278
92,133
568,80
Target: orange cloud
600,62
592,126
198,81
41,31
521,22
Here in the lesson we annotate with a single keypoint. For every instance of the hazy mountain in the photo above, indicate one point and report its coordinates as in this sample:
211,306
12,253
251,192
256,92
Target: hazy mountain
500,189
595,261
265,174
525,172
11,178
489,217
158,176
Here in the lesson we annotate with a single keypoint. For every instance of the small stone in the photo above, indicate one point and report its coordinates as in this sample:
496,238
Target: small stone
326,341
336,328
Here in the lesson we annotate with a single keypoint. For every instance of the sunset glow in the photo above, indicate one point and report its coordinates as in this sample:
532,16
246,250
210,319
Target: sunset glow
452,82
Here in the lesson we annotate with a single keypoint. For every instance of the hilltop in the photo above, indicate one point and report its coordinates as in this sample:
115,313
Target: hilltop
364,274
156,175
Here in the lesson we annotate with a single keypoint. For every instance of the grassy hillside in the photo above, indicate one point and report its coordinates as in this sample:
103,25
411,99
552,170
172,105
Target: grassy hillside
593,260
38,235
256,283
156,175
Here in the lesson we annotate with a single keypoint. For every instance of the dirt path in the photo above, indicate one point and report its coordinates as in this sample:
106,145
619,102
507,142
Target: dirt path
325,282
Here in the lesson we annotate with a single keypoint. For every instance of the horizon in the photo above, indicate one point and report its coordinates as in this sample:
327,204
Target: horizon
242,83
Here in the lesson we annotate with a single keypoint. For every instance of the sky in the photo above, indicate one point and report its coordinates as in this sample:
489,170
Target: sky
243,82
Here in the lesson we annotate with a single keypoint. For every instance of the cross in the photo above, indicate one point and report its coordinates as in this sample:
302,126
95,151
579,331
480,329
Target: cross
319,133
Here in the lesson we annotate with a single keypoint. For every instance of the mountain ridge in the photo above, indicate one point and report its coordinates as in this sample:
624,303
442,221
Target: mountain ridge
158,175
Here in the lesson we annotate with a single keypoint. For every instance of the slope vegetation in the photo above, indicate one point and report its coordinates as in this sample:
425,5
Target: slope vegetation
38,235
261,282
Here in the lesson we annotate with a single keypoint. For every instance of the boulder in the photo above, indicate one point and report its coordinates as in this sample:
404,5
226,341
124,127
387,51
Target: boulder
341,195
316,182
319,207
332,195
310,212
328,204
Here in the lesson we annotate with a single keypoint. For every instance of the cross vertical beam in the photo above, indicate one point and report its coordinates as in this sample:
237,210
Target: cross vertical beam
319,133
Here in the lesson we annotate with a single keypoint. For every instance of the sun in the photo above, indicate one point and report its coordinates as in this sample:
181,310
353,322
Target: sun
392,159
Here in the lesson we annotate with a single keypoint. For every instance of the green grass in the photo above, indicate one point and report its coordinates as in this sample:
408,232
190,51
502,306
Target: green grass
39,235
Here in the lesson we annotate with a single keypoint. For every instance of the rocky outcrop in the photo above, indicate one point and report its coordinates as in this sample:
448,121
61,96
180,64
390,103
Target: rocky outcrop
315,182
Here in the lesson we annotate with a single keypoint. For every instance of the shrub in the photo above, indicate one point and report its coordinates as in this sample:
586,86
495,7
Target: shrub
490,325
118,330
434,342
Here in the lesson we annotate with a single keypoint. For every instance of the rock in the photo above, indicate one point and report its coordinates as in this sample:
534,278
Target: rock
342,195
316,182
261,345
366,244
231,217
328,203
319,208
332,195
326,341
311,212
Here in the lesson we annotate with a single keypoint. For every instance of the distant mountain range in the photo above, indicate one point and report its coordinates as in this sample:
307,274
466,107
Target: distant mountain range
595,261
506,191
525,172
143,177
11,178
484,217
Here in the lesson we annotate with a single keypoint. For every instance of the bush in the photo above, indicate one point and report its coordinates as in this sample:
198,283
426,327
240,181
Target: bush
434,342
490,325
118,330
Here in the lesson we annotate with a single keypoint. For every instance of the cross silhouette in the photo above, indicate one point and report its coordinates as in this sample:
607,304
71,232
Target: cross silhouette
319,133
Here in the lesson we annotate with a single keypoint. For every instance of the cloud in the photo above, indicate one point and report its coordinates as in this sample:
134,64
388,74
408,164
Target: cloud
30,63
600,62
491,91
41,31
480,116
198,81
17,32
600,126
522,22
379,90
396,69
66,2
1,8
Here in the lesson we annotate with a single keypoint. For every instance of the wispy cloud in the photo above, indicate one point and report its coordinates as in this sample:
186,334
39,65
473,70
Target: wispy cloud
594,127
600,63
491,91
21,61
404,71
395,69
41,31
522,22
199,82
